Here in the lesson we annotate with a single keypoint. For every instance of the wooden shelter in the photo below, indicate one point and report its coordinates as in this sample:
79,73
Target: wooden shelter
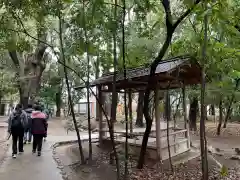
176,72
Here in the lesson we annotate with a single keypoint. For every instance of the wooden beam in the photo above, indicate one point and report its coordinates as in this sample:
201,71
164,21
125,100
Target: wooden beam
162,85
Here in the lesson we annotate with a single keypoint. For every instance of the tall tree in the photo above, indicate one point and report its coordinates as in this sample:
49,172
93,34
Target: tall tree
203,141
220,116
62,58
171,27
229,109
29,67
88,81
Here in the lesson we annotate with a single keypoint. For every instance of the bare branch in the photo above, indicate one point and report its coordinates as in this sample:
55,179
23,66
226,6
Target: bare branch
14,55
114,5
184,15
170,30
18,19
59,61
193,25
31,36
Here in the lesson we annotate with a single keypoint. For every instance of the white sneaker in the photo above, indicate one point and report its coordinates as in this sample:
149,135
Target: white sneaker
14,156
20,152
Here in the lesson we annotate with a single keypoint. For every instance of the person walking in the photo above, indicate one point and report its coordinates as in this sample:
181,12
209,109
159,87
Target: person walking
16,126
28,133
38,128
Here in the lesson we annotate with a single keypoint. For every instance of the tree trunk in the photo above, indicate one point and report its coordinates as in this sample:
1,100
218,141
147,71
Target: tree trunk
23,96
126,172
88,87
227,117
69,91
147,99
23,99
58,104
114,105
193,114
97,70
30,72
220,117
167,107
115,63
170,31
203,141
58,95
130,110
88,104
229,110
212,109
167,113
110,128
139,120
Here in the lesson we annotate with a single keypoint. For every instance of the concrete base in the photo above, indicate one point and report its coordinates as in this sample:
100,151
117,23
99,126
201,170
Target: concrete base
177,146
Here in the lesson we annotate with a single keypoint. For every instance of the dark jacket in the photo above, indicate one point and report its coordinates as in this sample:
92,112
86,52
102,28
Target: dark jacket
39,123
29,113
23,117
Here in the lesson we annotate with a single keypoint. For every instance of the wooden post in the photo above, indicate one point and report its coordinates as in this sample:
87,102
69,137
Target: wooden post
186,122
113,109
100,118
130,110
158,123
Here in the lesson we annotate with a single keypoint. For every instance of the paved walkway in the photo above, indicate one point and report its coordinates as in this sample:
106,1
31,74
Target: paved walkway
28,166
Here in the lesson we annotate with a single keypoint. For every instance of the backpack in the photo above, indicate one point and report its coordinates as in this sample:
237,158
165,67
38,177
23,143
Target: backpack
17,121
29,120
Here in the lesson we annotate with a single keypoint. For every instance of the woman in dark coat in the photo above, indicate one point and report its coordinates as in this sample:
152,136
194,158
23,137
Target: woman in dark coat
38,128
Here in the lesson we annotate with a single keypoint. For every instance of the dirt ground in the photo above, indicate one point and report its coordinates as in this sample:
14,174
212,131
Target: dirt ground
226,144
99,168
232,130
228,139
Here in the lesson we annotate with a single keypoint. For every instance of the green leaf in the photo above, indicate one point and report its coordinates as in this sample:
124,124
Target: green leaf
224,171
67,1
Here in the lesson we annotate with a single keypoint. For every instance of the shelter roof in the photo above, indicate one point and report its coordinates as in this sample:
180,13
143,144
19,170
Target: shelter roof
170,73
